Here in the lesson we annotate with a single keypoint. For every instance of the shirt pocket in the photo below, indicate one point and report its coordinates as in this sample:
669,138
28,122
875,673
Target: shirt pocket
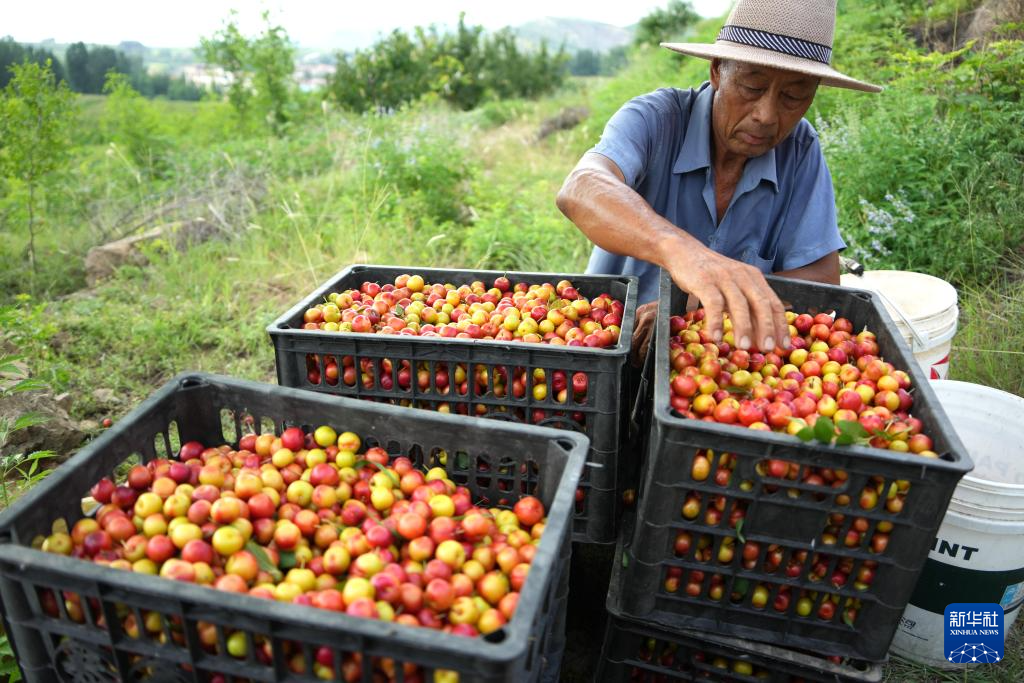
752,257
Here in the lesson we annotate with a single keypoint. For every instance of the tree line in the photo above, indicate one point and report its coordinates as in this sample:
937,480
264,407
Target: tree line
463,67
84,69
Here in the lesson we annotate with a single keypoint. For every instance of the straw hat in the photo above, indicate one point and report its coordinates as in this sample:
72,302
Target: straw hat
795,35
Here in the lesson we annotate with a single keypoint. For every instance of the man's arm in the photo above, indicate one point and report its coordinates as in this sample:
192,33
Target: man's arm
825,269
614,217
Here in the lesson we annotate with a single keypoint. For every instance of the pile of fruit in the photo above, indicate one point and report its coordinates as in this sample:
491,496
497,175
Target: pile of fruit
490,382
822,604
312,519
827,371
544,313
829,385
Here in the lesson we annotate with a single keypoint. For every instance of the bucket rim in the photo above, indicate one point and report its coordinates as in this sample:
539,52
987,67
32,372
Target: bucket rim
946,294
987,486
950,388
983,517
945,326
933,341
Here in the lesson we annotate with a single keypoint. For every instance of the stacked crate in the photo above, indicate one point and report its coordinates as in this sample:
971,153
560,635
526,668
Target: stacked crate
93,642
303,356
736,552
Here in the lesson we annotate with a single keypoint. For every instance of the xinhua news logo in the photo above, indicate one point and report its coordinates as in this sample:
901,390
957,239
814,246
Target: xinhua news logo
974,633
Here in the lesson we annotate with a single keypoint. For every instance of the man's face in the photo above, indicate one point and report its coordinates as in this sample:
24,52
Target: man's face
756,107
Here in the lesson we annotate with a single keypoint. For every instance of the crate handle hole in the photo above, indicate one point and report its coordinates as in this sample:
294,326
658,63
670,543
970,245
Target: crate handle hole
190,382
496,636
565,444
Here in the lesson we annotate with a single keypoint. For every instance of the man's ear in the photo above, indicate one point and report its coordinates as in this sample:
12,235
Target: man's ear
716,72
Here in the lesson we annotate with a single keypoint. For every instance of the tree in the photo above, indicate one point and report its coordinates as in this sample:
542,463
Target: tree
77,60
88,68
462,68
228,49
397,70
464,87
585,63
134,124
12,53
260,69
36,112
614,59
665,23
272,59
181,89
102,60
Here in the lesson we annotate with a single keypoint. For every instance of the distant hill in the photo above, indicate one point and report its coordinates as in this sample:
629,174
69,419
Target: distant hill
577,34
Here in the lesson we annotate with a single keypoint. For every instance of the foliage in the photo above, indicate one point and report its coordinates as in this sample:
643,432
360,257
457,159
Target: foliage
259,68
464,68
668,23
989,347
135,126
9,669
499,112
27,328
928,174
87,70
595,63
35,118
426,173
23,468
12,53
395,71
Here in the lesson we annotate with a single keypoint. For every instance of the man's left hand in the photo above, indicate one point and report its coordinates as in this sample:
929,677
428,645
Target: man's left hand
643,330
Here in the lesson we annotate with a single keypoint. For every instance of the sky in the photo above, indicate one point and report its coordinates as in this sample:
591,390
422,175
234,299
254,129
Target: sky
311,23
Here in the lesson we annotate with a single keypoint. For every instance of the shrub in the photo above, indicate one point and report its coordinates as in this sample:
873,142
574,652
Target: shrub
425,171
135,125
928,174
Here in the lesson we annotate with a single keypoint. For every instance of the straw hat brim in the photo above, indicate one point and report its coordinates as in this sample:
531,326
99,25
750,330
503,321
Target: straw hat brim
724,49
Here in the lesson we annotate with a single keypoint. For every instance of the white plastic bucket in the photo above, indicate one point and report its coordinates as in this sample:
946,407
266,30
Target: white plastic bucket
978,554
920,304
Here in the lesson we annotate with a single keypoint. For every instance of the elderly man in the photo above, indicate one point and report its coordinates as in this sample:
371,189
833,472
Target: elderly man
721,184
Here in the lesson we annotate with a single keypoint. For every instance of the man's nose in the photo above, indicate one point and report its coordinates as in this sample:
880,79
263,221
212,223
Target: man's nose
766,112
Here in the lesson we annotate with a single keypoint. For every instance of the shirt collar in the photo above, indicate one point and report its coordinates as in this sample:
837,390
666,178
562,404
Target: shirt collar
696,151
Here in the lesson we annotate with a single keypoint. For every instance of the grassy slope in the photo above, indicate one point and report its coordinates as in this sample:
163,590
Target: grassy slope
207,308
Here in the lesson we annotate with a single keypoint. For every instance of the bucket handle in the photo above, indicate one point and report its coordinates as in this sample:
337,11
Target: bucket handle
921,339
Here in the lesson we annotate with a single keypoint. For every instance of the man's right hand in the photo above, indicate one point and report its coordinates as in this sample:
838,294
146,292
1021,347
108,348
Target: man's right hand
614,217
724,285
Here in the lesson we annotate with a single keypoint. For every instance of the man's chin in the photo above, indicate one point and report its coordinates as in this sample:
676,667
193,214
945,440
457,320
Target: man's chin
749,150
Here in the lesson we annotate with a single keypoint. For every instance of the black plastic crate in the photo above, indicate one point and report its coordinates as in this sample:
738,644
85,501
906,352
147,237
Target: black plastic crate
494,460
636,652
303,355
785,520
641,652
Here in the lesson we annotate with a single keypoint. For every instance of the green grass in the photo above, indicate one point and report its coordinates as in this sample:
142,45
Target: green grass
350,189
989,346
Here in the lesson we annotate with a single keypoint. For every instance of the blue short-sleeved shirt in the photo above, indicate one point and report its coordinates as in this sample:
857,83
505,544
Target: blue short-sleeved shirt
782,214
